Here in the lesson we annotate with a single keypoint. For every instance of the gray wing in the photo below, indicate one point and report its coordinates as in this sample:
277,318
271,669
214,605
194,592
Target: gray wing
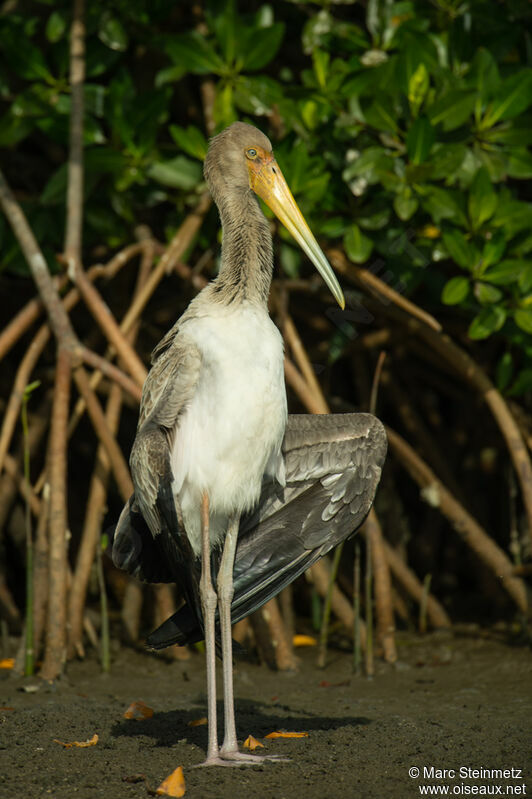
333,467
168,389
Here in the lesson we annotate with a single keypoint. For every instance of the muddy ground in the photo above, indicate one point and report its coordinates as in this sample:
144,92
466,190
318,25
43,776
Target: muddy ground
452,701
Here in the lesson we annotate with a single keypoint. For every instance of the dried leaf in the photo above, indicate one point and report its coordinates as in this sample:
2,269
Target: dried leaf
80,744
287,735
139,711
173,785
304,640
7,663
252,743
197,722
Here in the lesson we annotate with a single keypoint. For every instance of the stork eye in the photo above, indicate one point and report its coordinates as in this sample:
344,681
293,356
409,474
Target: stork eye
251,152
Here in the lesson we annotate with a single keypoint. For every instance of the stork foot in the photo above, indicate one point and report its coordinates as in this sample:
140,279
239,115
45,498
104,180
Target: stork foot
238,758
215,761
243,758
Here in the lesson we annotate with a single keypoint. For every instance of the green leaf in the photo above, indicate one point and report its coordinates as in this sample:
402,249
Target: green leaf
446,160
56,26
459,248
523,319
405,205
515,134
512,98
486,294
504,371
380,113
504,273
455,291
488,321
482,199
371,164
444,204
484,74
194,53
191,140
55,189
225,26
179,173
525,278
320,61
111,32
25,59
14,129
452,108
520,164
224,108
512,216
357,246
170,75
522,384
493,249
418,86
261,45
257,95
419,140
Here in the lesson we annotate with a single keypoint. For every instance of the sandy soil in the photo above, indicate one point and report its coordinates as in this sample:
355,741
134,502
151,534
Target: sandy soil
450,703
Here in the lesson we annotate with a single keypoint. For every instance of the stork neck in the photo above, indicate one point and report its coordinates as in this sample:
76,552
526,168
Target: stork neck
247,253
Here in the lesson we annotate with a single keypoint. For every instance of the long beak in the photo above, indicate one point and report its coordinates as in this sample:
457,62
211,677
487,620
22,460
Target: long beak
266,180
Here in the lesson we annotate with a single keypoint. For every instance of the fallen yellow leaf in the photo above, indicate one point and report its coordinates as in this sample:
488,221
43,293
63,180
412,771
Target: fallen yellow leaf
197,722
80,744
287,735
7,663
138,711
252,743
304,640
173,785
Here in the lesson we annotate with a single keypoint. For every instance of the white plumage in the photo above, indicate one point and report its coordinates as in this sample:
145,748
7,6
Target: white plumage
231,432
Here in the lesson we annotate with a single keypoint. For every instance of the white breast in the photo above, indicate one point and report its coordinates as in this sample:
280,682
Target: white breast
230,436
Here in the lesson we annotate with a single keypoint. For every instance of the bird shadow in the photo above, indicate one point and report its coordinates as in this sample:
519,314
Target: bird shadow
166,728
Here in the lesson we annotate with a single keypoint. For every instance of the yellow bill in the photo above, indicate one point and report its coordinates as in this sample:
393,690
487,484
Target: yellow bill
266,180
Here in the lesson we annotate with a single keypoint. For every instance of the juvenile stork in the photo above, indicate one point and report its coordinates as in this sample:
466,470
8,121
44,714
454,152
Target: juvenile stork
233,499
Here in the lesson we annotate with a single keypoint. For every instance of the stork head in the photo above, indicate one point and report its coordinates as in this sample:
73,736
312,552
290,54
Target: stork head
241,158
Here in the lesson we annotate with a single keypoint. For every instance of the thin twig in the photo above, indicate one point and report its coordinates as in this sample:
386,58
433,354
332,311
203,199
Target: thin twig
423,605
376,382
368,597
357,649
326,615
105,649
